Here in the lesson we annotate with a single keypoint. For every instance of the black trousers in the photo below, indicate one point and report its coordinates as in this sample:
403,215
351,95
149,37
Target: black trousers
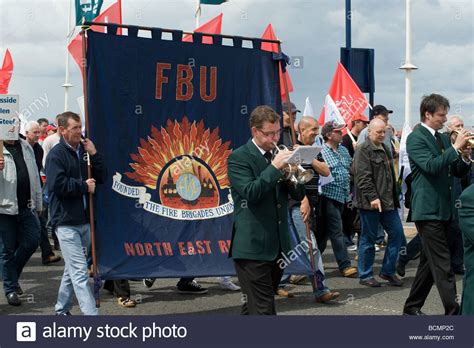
456,246
434,268
121,288
259,281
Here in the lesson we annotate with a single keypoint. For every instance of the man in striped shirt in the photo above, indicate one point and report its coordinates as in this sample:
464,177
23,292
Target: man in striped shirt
334,196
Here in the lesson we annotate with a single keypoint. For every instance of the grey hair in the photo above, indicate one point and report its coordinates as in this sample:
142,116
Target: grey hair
31,124
452,118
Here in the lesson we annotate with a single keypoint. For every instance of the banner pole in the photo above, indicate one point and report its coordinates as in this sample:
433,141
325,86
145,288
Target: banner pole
287,94
293,138
89,168
165,30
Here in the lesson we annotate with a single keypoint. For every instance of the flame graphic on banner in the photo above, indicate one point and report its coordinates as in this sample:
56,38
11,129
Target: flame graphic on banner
179,139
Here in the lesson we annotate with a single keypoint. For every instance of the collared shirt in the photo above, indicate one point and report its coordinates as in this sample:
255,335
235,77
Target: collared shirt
262,151
339,163
433,133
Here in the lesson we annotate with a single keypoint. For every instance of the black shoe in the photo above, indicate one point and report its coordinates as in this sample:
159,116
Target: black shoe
400,270
148,282
412,311
13,299
371,282
191,288
19,290
67,313
392,279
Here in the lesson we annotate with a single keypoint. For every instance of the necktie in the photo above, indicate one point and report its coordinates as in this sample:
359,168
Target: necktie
268,156
439,141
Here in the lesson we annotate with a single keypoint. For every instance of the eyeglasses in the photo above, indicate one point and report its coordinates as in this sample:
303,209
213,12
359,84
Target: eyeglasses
271,134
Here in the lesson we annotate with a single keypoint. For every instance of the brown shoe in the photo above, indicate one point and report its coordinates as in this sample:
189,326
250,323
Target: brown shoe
51,259
126,302
349,272
299,279
393,280
329,296
283,293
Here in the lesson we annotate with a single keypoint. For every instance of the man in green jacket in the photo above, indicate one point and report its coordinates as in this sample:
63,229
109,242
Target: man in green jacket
434,161
260,231
466,222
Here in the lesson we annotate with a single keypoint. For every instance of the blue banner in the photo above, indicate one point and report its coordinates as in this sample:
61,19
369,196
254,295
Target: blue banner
167,114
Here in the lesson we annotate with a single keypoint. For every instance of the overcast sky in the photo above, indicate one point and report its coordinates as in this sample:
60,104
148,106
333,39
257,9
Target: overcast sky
442,45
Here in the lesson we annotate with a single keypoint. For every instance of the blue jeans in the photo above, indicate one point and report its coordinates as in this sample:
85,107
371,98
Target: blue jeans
320,287
75,245
332,217
21,235
380,235
390,220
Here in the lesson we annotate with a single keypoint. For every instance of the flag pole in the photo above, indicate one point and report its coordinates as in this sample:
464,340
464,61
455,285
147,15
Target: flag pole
198,12
67,84
408,66
89,168
293,138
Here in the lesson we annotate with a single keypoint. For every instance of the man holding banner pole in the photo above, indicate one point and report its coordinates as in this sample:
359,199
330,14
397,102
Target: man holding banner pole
260,228
68,185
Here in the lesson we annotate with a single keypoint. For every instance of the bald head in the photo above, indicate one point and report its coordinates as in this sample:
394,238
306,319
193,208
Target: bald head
308,128
377,129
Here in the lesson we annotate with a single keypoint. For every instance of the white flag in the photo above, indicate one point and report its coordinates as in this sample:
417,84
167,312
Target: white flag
332,113
308,109
403,156
80,101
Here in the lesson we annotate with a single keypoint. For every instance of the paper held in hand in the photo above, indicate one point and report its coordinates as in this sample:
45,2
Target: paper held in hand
9,107
305,154
9,124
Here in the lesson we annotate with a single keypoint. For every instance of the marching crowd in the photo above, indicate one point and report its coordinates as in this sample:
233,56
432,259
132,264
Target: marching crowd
353,200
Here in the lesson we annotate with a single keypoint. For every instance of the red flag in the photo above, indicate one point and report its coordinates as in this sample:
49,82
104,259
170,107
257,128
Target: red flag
346,95
214,26
6,72
273,47
112,15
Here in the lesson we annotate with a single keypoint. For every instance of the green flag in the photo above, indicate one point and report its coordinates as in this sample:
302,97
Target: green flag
87,9
212,2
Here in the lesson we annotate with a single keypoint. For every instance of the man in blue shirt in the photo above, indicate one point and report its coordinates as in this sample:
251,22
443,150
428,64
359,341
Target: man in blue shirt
333,197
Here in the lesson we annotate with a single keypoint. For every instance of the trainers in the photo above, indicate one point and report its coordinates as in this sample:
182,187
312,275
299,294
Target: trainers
192,288
349,272
148,282
352,247
227,284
